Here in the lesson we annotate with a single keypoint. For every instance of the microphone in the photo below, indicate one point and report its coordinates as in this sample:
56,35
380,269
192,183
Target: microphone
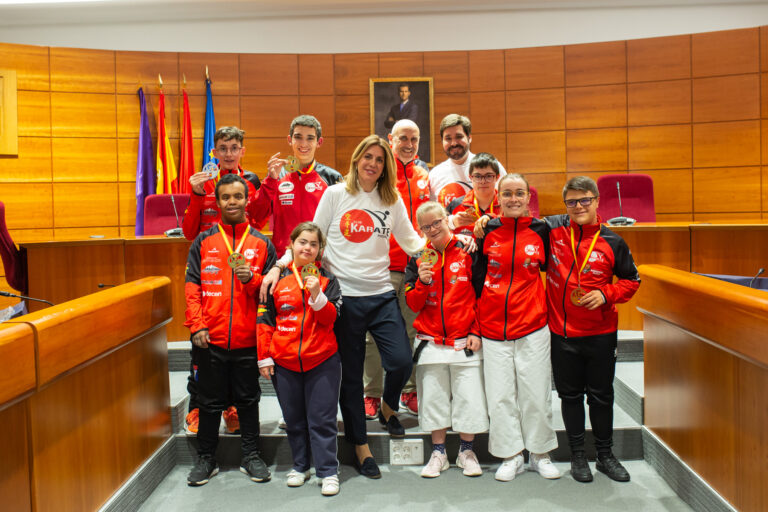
752,281
176,232
621,220
9,294
102,285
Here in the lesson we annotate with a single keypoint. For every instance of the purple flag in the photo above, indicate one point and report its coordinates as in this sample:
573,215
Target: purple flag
146,174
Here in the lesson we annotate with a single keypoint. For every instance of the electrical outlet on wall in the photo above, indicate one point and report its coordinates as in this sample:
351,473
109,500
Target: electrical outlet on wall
406,452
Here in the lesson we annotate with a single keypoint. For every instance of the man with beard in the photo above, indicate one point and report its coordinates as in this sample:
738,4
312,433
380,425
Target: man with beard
450,179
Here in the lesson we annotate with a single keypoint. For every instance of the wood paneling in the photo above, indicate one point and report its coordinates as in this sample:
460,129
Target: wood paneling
600,106
550,189
352,71
84,160
659,58
745,245
673,193
733,189
34,112
81,70
660,147
141,68
535,110
269,74
726,144
267,116
126,210
399,64
28,205
449,103
595,63
486,113
536,152
316,74
764,181
323,108
486,70
352,116
31,65
720,218
225,108
223,69
493,143
33,163
534,68
726,98
17,346
763,48
84,204
596,150
15,485
259,150
345,146
83,115
725,53
127,150
449,70
659,103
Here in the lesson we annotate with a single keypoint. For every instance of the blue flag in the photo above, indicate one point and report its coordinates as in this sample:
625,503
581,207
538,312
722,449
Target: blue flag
146,174
210,126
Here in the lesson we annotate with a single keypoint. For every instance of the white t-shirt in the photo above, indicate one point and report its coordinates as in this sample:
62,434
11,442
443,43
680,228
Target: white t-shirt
449,180
357,229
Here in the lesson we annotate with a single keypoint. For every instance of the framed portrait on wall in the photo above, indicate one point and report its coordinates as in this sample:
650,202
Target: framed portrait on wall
411,98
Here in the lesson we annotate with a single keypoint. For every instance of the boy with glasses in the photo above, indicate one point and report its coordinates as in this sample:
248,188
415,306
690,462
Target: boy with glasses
481,200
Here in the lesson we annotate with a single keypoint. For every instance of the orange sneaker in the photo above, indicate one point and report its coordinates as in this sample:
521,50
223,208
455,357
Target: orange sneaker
372,407
232,420
192,421
410,402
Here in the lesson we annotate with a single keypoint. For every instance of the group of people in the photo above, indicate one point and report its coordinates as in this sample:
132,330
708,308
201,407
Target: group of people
396,285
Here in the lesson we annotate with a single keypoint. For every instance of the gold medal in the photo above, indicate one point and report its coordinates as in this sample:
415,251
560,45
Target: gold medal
471,210
429,256
235,260
293,164
576,296
310,269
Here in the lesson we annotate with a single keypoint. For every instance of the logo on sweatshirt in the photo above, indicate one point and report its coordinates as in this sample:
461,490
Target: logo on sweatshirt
285,186
450,192
358,226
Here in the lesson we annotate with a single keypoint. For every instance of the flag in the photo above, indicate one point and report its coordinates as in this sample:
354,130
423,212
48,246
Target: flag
166,168
210,126
145,165
187,158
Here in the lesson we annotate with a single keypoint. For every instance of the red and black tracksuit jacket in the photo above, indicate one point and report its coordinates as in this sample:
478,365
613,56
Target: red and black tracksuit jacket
216,299
512,253
610,257
413,186
202,211
291,332
467,201
446,306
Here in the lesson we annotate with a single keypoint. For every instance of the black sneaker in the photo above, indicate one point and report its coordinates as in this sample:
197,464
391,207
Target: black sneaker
392,425
580,467
204,469
255,468
611,466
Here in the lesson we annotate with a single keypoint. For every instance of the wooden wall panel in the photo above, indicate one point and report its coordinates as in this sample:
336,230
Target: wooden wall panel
535,110
327,153
534,68
17,346
726,144
134,69
258,151
399,64
33,164
85,234
764,181
733,189
352,71
225,108
726,98
34,112
85,160
269,74
223,69
83,115
323,108
15,485
486,112
672,191
352,116
81,70
550,189
449,70
84,204
448,103
127,150
28,205
493,143
763,48
486,70
602,149
659,103
763,95
600,106
316,74
536,152
659,58
126,210
595,63
31,64
345,146
660,147
267,116
752,439
736,218
725,53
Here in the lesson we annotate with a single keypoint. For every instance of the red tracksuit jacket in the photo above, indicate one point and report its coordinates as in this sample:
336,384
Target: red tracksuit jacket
462,203
413,186
216,299
291,332
610,257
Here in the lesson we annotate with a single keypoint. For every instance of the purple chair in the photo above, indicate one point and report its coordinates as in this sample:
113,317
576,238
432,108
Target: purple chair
636,197
14,260
159,216
533,206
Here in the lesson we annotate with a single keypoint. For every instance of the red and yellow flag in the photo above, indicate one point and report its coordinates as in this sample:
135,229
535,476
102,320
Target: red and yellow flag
166,168
187,158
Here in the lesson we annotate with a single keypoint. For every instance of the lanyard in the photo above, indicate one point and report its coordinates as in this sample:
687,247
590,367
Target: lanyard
586,258
299,280
490,208
226,242
308,169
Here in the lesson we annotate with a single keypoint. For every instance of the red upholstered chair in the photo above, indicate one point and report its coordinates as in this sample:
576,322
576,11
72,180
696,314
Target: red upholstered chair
159,216
636,197
14,260
533,206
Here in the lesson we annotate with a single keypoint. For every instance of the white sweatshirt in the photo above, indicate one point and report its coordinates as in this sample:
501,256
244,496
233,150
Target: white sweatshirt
357,229
449,180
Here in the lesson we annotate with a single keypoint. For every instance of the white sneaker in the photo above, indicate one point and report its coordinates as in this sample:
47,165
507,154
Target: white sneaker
296,478
510,468
330,486
437,462
543,466
468,461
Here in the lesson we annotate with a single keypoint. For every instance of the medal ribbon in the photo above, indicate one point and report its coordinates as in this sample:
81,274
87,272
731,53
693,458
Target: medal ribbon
490,208
226,242
308,169
586,258
299,280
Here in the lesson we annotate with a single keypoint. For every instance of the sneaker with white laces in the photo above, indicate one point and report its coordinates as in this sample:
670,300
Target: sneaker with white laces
296,478
510,468
330,486
542,464
467,460
437,462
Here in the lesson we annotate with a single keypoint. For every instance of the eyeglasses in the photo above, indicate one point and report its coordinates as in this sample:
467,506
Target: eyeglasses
584,201
483,178
233,150
430,227
517,194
